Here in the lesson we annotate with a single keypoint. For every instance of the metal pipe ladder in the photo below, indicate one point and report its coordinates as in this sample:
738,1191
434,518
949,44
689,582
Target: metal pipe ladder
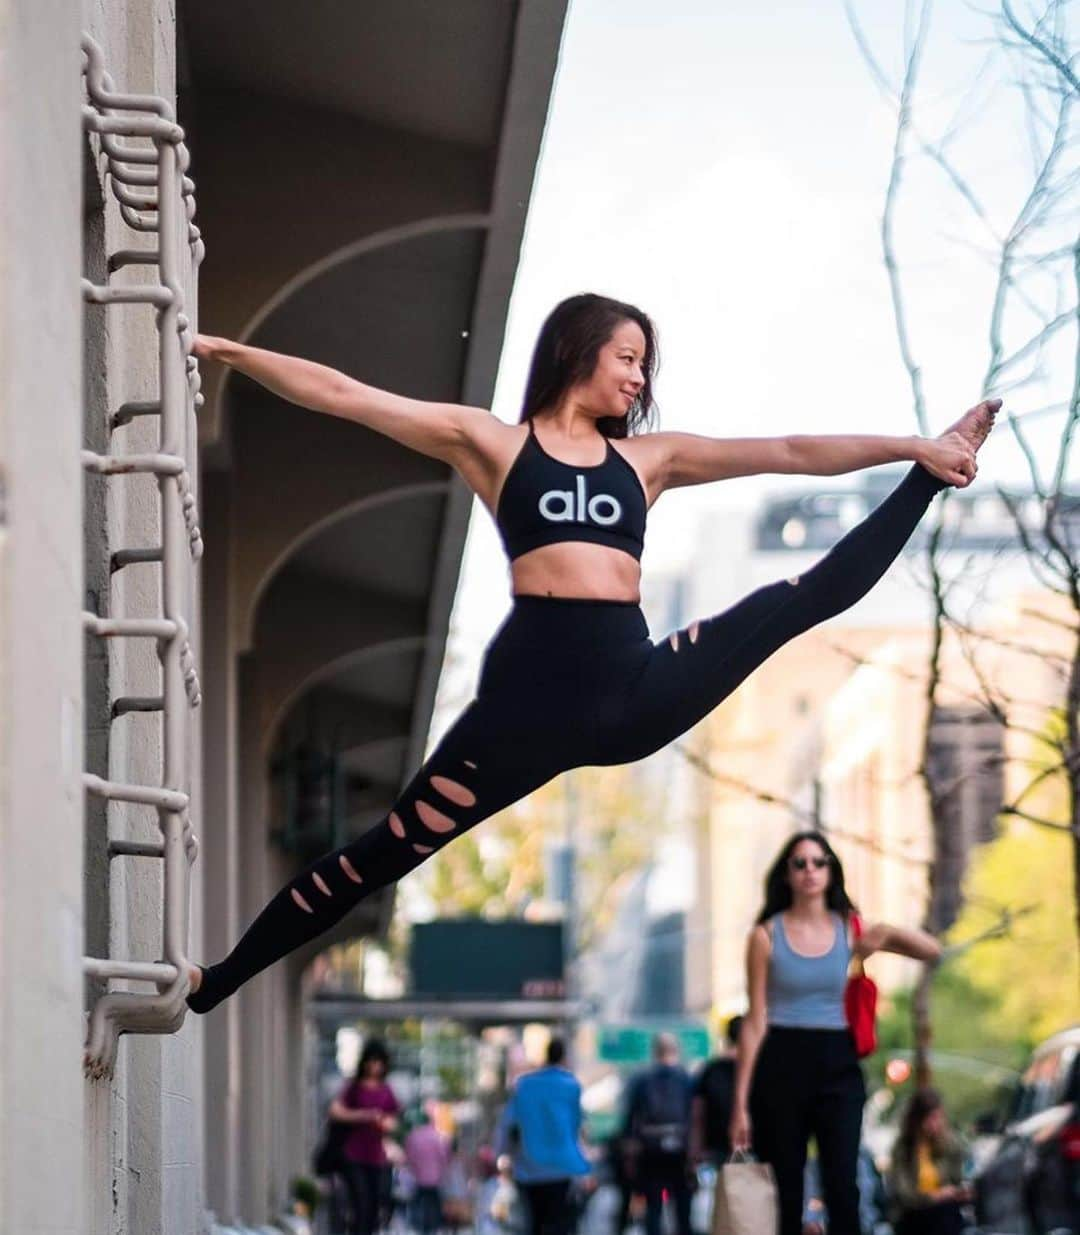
148,181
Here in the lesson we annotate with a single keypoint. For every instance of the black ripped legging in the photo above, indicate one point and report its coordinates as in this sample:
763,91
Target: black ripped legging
564,684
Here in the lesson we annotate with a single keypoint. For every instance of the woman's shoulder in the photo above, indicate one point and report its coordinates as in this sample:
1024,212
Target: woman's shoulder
381,1096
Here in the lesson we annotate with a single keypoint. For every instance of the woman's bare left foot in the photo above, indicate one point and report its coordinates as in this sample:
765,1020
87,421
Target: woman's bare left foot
975,424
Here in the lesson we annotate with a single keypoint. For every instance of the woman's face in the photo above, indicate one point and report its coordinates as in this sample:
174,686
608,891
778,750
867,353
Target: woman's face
808,869
933,1124
618,377
374,1070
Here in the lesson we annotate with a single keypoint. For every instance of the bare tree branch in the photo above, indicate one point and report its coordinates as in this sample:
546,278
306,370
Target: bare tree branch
1032,39
998,930
1052,824
807,818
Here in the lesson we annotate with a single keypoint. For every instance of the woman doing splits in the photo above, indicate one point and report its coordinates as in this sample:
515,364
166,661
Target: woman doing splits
572,678
797,1074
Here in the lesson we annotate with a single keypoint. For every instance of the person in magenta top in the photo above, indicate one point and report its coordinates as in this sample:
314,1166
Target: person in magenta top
369,1104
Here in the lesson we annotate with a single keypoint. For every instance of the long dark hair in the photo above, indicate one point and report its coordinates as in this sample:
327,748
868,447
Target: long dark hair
374,1052
778,895
923,1102
566,351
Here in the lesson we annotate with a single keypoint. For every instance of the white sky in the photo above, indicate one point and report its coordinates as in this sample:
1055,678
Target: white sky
722,164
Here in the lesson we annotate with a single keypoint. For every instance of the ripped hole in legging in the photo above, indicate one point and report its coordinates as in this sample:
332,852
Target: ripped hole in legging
433,819
349,869
453,792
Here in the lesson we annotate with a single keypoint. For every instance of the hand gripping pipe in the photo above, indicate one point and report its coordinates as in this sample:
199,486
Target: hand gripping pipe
153,195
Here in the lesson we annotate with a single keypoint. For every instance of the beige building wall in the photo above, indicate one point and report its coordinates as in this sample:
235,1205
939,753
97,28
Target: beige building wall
41,893
119,1153
142,1142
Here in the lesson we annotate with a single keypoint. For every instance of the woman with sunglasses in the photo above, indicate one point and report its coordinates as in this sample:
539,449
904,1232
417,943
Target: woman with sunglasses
797,1074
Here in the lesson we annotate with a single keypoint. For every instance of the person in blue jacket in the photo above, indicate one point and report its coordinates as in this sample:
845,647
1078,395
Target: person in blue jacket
541,1129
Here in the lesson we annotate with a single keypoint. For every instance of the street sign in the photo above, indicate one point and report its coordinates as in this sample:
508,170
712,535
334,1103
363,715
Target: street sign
632,1044
470,958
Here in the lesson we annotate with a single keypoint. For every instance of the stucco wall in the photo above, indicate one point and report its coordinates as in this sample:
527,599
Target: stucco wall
40,637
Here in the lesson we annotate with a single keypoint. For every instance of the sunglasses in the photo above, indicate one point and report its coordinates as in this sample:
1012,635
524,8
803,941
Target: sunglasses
800,864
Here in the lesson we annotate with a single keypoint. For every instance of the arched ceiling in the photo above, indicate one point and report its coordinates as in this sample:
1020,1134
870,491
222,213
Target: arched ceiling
361,316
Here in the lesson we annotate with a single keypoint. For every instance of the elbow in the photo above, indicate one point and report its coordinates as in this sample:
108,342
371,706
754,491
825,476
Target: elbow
796,456
756,1022
336,390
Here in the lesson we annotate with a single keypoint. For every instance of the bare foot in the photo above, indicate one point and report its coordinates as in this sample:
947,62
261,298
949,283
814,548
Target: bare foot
975,424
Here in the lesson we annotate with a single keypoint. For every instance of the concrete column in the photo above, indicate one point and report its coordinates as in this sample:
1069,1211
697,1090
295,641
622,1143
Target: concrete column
41,801
220,857
255,1000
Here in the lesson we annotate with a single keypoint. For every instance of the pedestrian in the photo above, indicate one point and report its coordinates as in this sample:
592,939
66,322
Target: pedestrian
541,1129
498,1202
427,1153
457,1189
658,1119
369,1104
797,1074
927,1176
623,1159
572,677
873,1198
713,1102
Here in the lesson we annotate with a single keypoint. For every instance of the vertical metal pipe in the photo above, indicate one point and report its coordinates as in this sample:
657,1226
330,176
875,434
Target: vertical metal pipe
176,556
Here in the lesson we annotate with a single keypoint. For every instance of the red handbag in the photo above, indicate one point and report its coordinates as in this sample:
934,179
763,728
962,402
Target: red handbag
860,1002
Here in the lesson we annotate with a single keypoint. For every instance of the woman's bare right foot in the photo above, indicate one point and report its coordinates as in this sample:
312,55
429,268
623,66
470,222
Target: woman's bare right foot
975,424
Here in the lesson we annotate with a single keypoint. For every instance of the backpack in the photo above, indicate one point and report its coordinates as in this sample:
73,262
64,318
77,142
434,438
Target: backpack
662,1115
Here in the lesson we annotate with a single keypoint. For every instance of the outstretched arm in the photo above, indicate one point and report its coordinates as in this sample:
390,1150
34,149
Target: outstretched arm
688,459
903,940
446,431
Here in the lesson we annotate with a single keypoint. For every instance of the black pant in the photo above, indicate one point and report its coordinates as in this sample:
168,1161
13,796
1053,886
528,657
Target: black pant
547,1207
365,1184
665,1176
427,1209
943,1218
807,1082
567,684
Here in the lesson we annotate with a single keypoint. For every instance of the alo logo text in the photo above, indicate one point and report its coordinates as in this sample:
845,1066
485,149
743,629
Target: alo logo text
575,506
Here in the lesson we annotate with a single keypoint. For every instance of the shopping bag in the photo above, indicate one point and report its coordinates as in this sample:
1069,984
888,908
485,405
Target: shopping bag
745,1201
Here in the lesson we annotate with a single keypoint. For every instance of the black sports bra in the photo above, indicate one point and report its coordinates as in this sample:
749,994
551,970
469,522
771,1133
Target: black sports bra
545,502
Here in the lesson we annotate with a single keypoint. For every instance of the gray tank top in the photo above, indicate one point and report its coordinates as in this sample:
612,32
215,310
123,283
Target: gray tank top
807,992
